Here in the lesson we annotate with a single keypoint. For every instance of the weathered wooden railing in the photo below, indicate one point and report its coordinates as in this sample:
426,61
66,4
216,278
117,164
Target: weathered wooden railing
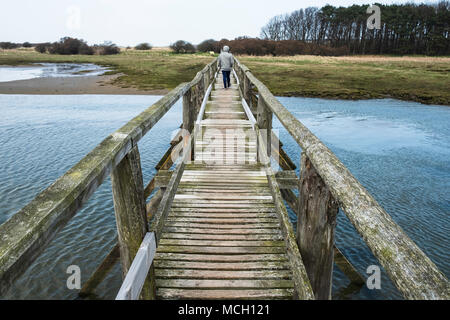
27,233
325,185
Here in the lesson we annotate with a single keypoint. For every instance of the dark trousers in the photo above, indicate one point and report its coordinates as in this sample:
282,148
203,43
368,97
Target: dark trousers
226,78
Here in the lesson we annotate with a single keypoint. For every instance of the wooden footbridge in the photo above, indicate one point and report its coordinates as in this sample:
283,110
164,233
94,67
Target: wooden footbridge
216,225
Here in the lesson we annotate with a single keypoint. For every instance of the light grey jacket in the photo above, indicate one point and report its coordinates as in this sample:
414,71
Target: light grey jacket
226,61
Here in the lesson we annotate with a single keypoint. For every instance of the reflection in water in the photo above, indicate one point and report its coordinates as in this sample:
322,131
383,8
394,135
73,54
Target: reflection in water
50,70
398,150
41,137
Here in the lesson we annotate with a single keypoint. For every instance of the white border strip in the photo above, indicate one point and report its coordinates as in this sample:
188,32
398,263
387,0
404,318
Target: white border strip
247,110
135,279
205,100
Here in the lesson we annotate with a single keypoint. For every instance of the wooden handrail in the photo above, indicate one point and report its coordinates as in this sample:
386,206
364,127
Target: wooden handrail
135,279
413,273
27,233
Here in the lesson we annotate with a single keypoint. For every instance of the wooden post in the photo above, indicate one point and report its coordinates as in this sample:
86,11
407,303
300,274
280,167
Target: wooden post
247,90
264,122
188,111
206,79
131,216
317,211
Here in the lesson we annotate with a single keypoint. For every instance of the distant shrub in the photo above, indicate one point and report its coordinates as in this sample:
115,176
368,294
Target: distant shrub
9,45
42,47
69,45
27,45
182,46
106,48
207,45
144,46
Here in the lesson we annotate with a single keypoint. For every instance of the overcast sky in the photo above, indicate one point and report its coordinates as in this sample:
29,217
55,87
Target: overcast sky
129,22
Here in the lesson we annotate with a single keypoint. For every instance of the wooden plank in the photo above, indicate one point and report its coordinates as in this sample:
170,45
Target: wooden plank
236,205
252,209
222,237
153,204
216,231
149,189
347,268
246,215
222,257
221,243
162,178
222,189
225,168
100,273
137,274
223,226
271,294
189,196
214,275
253,265
221,250
229,180
287,179
232,179
223,284
205,192
235,200
258,221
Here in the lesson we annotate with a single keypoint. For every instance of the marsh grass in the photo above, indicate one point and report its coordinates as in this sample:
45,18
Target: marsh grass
146,70
416,78
422,79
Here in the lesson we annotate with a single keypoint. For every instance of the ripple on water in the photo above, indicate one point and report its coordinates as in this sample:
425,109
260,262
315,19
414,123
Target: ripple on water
48,147
398,150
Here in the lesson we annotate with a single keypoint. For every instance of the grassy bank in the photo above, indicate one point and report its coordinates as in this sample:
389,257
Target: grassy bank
146,70
421,79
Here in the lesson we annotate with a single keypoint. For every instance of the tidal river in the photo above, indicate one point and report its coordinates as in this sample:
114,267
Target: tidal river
399,151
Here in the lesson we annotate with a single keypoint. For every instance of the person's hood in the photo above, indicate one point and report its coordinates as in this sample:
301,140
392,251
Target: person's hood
226,49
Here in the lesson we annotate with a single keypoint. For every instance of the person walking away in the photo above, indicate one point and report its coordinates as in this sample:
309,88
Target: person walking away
226,62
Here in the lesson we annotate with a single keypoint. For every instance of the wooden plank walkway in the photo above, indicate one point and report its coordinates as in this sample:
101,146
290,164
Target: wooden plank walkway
222,238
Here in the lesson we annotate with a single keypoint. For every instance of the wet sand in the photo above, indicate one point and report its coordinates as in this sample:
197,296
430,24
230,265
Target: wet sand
71,85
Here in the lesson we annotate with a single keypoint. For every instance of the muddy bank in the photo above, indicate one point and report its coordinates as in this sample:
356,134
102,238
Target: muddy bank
71,85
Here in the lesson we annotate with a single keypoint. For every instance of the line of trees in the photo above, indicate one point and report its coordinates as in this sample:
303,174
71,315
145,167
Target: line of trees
12,45
262,47
405,28
69,45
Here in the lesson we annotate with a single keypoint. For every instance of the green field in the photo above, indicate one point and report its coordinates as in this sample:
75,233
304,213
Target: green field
147,70
422,79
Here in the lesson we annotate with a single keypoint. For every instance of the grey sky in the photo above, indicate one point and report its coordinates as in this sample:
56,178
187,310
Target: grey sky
128,22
